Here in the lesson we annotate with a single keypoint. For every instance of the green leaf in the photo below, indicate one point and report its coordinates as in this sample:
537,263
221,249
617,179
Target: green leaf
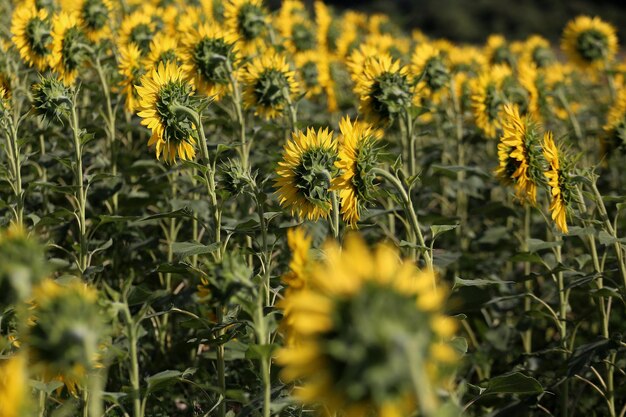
479,282
186,249
459,344
513,383
48,388
535,245
162,379
437,229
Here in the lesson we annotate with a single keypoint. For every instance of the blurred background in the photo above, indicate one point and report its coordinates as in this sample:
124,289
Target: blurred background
473,20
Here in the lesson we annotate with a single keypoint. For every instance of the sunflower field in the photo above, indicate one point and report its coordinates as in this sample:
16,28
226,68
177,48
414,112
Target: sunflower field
214,208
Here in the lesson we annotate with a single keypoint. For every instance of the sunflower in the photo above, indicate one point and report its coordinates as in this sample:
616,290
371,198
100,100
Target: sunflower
131,69
138,28
314,71
383,89
206,51
270,85
498,51
95,16
487,98
323,22
68,46
172,132
305,173
358,154
13,381
299,245
64,339
527,77
163,49
386,308
32,35
539,51
430,71
519,152
589,41
556,180
247,21
296,27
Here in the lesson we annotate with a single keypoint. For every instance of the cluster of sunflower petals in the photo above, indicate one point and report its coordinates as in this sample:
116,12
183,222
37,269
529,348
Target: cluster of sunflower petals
356,297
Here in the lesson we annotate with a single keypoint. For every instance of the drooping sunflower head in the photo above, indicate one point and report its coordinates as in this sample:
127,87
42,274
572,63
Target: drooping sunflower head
138,28
429,67
13,383
22,265
488,97
364,325
559,182
163,95
247,21
270,85
131,68
521,159
163,49
589,41
209,52
359,152
305,173
384,90
68,328
96,16
32,34
52,99
68,46
538,50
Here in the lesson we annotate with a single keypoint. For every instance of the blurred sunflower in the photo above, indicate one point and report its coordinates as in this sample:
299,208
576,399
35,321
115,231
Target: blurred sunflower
488,98
299,243
498,51
589,41
383,89
358,154
270,85
527,77
95,15
305,173
138,28
131,69
368,328
68,46
314,71
520,155
13,383
560,190
206,51
323,21
67,329
538,51
32,35
429,69
173,132
247,21
296,27
163,49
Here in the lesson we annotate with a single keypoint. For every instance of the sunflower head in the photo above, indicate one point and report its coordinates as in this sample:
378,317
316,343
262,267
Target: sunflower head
270,85
247,21
359,151
562,189
498,51
95,15
305,173
163,49
68,328
234,178
138,28
207,53
22,265
365,324
68,46
488,97
52,99
131,69
5,103
32,34
384,90
164,94
428,66
615,126
589,41
539,51
521,159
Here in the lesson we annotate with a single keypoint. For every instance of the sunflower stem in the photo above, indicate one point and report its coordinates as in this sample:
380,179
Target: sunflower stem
408,206
81,196
243,146
527,336
335,219
15,164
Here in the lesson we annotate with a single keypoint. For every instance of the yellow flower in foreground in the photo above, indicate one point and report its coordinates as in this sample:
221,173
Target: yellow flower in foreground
13,383
305,173
31,30
589,41
364,326
173,132
558,205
